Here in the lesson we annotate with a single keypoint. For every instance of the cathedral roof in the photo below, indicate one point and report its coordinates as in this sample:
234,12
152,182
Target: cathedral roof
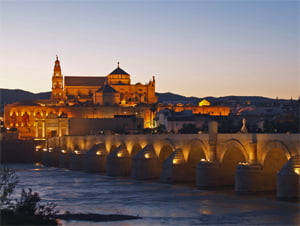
118,71
106,89
84,81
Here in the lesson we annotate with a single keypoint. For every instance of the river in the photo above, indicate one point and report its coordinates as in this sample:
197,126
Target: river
157,203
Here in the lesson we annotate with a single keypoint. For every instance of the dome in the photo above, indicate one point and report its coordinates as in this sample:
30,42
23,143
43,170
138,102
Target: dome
106,89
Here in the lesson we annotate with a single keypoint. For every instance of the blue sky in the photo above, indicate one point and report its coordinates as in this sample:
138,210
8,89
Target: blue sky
194,48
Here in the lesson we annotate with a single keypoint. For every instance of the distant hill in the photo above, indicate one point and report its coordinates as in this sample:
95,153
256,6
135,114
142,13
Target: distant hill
175,98
8,96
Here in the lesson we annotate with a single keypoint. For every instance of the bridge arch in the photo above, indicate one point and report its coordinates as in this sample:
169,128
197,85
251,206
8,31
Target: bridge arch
233,153
273,159
112,147
135,149
98,149
274,145
197,150
166,148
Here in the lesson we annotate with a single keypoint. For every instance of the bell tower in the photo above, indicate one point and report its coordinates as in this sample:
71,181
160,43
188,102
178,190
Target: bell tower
57,83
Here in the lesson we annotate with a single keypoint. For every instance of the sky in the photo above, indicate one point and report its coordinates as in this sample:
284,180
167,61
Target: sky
193,48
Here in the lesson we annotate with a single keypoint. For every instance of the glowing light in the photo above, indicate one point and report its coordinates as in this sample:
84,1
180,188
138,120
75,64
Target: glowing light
203,160
204,103
297,171
44,149
98,153
147,155
243,163
63,151
120,154
77,152
175,161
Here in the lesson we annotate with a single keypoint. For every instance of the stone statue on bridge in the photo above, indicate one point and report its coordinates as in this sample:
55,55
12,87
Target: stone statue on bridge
244,128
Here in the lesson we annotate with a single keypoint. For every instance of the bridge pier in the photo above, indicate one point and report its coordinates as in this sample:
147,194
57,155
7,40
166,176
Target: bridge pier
94,163
95,159
50,158
76,161
174,168
64,160
248,178
208,175
145,164
288,179
118,162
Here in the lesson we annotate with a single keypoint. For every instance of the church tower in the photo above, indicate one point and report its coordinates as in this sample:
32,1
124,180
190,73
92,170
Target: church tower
57,83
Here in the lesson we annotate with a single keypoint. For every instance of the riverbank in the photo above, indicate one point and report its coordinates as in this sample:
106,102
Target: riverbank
95,217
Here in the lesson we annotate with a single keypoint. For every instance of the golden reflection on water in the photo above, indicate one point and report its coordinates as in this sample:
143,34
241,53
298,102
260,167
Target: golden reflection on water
205,211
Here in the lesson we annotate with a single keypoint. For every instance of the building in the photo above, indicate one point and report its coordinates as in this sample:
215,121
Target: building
113,89
82,97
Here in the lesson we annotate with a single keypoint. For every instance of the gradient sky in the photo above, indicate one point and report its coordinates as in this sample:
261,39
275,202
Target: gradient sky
194,48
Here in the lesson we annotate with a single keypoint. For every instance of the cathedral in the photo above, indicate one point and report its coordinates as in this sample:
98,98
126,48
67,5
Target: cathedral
113,89
84,97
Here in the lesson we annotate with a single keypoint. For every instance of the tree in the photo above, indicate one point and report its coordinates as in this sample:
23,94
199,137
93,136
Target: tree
28,210
7,186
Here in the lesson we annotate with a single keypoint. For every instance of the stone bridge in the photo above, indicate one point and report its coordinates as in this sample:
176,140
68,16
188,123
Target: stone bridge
250,162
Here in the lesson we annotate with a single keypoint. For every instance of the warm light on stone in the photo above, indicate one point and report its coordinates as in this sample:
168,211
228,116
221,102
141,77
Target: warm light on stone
175,161
147,155
297,171
119,154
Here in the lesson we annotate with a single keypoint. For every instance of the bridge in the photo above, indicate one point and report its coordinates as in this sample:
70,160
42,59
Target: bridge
249,162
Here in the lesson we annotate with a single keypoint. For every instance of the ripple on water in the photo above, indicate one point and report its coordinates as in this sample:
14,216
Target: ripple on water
158,204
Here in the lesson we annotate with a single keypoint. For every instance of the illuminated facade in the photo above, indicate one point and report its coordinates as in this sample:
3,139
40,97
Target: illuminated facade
203,107
113,89
81,97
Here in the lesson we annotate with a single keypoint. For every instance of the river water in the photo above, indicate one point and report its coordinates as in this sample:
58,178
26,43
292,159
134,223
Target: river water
157,203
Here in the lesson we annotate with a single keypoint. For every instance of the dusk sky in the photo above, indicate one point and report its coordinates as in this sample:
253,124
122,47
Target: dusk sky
194,48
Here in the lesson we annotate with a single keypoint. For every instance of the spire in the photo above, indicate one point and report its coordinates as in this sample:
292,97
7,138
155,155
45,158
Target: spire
57,69
118,64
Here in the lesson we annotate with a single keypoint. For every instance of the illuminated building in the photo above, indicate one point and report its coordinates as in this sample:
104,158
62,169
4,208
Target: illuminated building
81,97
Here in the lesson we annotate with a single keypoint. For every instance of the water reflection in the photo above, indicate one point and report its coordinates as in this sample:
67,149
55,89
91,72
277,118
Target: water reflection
158,204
